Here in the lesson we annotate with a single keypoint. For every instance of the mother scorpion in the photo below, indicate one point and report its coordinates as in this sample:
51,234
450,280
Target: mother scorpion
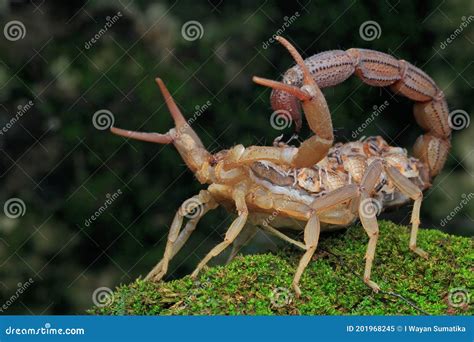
317,186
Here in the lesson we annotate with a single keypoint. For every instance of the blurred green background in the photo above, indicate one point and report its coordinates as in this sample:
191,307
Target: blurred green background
64,169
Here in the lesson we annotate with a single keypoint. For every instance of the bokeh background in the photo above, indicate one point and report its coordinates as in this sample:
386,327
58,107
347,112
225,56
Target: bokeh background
73,59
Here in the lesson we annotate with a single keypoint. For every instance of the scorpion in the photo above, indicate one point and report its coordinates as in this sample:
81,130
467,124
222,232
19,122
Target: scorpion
318,186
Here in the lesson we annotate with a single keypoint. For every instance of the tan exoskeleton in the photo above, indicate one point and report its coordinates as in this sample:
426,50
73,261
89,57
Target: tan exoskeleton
313,187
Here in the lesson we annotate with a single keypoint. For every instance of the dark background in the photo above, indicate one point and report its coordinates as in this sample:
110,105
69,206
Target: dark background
62,167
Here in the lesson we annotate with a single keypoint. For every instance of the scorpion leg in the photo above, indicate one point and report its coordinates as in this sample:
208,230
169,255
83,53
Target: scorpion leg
311,237
242,239
204,197
369,222
412,191
282,236
313,228
315,109
240,155
367,215
235,228
180,241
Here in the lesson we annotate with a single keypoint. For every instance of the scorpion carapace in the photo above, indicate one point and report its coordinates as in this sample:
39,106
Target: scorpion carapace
313,187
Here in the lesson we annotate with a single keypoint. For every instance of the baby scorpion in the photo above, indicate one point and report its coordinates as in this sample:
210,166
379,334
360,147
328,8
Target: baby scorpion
317,186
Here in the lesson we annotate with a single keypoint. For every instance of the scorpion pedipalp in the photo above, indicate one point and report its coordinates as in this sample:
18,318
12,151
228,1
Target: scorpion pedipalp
143,136
315,108
295,91
182,135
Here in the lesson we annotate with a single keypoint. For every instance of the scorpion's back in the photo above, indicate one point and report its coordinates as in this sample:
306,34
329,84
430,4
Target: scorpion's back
345,164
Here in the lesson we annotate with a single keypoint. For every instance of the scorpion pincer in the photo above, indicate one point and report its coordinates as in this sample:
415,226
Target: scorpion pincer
319,185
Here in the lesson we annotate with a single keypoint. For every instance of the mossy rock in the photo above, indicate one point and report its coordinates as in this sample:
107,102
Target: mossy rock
331,285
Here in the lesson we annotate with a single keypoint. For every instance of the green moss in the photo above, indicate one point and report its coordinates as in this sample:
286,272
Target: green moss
331,285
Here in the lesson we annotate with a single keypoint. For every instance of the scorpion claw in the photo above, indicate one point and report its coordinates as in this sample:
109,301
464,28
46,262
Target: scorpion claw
297,290
420,252
158,276
373,285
